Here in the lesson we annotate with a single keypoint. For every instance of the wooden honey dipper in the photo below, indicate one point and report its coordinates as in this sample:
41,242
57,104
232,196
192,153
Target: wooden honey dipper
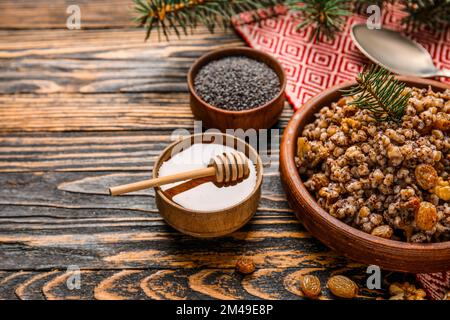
227,168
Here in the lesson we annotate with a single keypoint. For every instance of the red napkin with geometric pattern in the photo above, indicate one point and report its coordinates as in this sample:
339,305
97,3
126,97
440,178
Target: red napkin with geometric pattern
314,67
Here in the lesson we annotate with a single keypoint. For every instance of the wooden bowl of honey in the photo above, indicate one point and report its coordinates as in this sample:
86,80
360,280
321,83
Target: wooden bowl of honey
205,209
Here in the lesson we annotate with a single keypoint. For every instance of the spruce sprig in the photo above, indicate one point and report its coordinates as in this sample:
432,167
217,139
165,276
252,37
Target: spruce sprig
434,14
378,91
181,15
360,6
326,17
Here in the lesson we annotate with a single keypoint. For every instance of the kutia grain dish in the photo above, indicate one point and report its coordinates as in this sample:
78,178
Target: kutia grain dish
237,83
387,178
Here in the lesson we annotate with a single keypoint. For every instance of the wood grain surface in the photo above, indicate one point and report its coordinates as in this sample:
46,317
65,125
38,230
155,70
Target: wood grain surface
51,14
87,108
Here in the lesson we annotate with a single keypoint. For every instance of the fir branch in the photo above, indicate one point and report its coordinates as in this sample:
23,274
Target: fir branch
326,16
360,6
378,91
434,14
173,15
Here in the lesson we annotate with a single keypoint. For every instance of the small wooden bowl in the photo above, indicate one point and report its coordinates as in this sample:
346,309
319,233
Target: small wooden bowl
213,223
349,241
262,117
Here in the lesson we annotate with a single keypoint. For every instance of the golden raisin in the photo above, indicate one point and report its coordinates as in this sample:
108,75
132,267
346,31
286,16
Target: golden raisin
406,291
364,212
443,183
342,102
245,265
395,289
420,294
344,127
426,216
442,121
302,148
342,287
443,192
383,231
426,176
310,286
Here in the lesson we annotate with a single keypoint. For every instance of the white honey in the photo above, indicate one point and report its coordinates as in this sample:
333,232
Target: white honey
207,196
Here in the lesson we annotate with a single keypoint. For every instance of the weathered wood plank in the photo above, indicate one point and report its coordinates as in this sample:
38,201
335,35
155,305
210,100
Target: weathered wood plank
88,228
203,283
104,112
109,112
81,151
39,14
40,244
100,61
69,190
100,151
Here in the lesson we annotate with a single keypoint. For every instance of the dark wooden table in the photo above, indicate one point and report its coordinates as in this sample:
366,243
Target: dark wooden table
84,109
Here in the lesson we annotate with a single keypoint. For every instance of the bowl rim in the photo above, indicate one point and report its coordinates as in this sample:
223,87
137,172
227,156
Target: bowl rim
288,147
258,166
230,52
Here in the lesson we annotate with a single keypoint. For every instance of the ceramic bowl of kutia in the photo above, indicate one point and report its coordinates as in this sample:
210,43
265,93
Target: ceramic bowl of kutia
351,242
259,117
209,224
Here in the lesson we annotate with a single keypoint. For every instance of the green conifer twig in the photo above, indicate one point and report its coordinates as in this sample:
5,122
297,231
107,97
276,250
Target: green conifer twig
378,91
434,14
179,15
327,17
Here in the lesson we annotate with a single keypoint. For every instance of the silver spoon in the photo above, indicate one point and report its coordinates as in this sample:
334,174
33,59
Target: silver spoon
395,52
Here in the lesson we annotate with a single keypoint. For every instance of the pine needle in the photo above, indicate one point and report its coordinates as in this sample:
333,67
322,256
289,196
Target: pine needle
325,16
173,15
379,92
434,14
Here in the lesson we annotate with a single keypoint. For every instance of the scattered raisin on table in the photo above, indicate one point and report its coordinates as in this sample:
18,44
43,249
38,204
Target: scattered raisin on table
310,286
406,291
342,287
245,265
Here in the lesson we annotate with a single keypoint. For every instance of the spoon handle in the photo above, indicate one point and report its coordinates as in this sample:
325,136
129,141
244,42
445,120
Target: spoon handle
443,73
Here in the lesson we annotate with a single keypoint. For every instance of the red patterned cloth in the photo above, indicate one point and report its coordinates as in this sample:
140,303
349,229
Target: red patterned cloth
435,284
313,67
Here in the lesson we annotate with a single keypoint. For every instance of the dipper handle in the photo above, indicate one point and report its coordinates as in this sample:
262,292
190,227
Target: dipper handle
227,168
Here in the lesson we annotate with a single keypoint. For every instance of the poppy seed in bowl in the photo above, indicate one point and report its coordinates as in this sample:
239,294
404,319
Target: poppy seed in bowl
237,83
